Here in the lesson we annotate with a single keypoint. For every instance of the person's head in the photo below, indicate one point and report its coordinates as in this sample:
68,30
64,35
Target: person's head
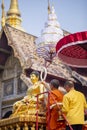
34,76
54,84
68,85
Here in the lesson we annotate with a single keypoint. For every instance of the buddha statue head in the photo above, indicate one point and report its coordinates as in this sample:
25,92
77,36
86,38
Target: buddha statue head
34,76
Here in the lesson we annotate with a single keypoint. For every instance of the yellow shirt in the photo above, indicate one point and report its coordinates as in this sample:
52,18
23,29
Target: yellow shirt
74,104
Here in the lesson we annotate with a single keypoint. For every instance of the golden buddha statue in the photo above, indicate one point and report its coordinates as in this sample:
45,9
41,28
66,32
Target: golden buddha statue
28,103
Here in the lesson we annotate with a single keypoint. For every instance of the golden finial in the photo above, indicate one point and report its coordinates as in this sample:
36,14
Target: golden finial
3,14
13,15
49,10
13,8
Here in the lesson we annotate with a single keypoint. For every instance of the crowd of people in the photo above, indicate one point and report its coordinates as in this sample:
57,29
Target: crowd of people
67,108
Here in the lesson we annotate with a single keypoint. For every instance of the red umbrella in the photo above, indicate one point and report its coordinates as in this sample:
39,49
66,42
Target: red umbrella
72,49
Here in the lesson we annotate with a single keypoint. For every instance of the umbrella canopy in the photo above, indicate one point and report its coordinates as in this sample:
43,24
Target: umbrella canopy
72,49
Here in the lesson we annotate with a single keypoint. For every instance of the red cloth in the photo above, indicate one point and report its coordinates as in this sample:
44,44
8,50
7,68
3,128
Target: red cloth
72,49
76,37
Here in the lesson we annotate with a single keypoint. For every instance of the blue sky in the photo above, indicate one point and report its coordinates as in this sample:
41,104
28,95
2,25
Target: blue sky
71,14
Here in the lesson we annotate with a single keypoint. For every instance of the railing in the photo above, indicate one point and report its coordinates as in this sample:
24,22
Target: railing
48,92
28,122
25,122
37,109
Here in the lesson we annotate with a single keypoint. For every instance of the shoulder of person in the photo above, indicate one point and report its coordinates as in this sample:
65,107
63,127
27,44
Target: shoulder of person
67,95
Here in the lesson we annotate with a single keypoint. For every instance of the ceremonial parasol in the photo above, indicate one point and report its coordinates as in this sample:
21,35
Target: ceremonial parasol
72,49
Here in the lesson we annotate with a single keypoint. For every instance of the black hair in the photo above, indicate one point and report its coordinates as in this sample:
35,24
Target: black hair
54,83
69,83
35,73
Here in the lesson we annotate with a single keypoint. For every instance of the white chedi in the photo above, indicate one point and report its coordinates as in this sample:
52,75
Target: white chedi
52,32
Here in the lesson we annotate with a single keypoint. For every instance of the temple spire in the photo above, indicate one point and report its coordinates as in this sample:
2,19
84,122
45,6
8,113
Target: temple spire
52,31
13,15
14,8
3,14
49,10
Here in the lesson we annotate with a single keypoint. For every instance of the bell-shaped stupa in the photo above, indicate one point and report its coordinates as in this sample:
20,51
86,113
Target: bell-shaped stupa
50,35
52,32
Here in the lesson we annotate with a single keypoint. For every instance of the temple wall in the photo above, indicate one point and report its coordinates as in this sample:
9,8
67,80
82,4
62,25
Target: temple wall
12,88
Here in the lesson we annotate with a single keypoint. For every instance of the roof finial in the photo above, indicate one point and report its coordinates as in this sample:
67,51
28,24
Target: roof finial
3,14
49,10
13,15
14,8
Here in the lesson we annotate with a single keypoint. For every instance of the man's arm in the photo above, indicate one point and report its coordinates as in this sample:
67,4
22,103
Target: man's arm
56,104
65,107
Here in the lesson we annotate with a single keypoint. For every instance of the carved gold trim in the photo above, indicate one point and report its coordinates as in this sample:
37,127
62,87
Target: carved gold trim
22,118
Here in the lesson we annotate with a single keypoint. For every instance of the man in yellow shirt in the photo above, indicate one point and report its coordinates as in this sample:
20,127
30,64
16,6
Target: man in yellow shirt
74,104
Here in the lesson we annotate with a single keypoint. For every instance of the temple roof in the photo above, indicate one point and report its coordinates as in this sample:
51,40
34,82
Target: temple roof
21,43
24,49
23,46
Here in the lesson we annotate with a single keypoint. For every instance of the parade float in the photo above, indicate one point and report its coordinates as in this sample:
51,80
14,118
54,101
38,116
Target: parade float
21,53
